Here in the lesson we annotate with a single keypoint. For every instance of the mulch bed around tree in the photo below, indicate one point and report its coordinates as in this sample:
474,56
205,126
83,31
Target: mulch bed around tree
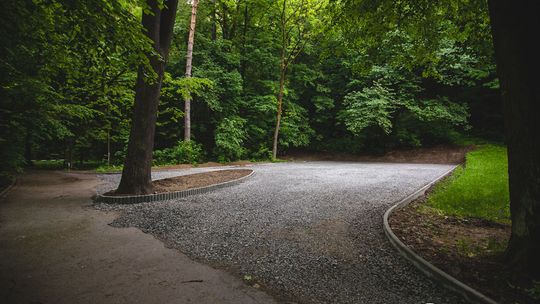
185,182
471,250
204,165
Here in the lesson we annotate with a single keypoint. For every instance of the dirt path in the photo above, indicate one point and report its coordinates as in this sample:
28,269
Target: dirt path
55,248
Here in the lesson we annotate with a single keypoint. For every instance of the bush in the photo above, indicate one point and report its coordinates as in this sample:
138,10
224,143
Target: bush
230,136
379,114
183,153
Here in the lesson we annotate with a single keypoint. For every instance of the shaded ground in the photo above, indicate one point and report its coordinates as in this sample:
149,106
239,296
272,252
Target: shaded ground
305,232
431,155
196,180
468,249
205,165
55,248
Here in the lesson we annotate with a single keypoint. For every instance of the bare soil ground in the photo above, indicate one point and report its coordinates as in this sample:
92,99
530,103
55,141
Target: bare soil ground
56,248
203,165
470,250
432,155
197,180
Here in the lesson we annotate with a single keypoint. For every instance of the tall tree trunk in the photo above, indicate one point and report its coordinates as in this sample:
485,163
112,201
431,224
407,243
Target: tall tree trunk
279,106
189,59
224,21
282,74
214,21
109,147
136,175
28,150
515,27
244,41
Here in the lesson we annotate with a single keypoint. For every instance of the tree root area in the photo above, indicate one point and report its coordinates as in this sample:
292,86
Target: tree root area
185,182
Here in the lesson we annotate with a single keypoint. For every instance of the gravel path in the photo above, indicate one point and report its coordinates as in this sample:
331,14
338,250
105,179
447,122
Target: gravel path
305,232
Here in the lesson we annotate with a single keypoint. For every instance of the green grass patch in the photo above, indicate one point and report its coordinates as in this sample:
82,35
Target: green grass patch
49,164
109,169
480,189
59,164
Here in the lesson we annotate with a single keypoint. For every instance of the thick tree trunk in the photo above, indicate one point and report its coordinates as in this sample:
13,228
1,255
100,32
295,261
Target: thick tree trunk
189,59
515,27
136,176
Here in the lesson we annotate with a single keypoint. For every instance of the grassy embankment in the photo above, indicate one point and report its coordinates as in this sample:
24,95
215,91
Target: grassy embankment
479,189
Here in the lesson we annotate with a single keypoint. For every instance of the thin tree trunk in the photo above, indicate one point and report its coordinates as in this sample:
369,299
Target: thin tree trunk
282,73
214,26
279,108
28,150
224,21
515,25
244,40
189,59
136,175
108,147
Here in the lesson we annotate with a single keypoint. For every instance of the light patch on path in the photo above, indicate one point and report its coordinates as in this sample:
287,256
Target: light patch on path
56,248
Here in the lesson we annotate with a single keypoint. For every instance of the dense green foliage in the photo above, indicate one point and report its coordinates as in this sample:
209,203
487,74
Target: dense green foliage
66,74
182,153
388,76
480,189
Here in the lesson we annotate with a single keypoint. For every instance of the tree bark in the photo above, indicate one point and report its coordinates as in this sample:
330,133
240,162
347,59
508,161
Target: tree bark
136,175
189,59
108,147
279,107
214,26
515,27
282,74
244,41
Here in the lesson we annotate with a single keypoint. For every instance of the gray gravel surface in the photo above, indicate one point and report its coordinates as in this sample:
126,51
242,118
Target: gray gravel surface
305,232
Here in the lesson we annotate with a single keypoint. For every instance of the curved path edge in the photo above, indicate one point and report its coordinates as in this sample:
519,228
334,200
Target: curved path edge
135,199
424,266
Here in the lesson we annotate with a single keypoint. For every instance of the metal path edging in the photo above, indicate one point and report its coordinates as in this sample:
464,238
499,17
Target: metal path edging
424,266
135,199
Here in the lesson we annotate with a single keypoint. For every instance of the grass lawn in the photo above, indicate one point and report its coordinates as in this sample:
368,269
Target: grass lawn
480,189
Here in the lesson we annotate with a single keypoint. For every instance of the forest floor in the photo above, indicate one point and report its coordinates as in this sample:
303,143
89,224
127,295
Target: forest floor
469,249
462,226
56,248
430,155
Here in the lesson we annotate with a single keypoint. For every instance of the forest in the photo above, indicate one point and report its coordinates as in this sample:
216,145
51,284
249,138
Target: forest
349,76
128,85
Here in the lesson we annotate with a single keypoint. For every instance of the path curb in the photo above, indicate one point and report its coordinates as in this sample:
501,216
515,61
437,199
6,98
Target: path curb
135,199
424,266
